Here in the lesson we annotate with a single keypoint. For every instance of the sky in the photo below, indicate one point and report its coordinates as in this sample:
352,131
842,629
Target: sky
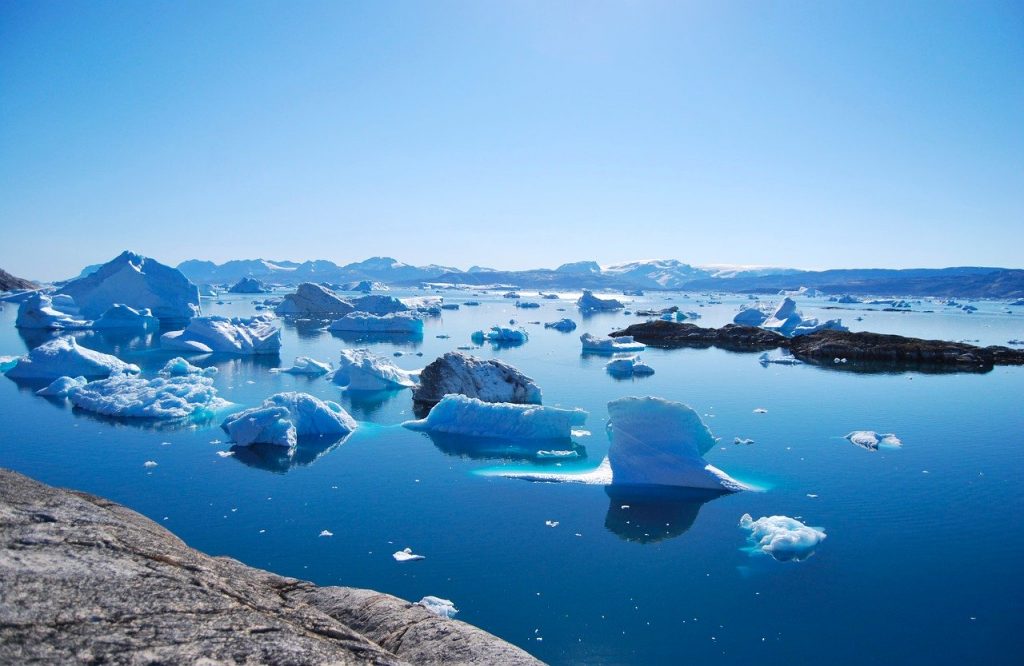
512,134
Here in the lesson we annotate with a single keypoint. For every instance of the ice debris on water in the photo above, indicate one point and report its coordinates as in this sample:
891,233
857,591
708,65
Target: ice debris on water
872,441
782,537
406,555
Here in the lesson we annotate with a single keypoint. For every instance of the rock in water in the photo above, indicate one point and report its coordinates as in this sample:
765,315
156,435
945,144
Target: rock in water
488,380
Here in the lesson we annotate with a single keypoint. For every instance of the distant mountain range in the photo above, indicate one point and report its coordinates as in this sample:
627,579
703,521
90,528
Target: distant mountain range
665,274
9,282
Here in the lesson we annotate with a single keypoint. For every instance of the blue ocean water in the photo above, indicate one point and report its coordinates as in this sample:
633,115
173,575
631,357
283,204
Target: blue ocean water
924,543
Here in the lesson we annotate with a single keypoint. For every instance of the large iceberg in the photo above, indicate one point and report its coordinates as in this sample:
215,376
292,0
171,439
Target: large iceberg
784,319
488,380
122,317
284,417
361,370
782,537
38,311
161,398
460,415
590,303
138,282
500,335
657,442
255,335
65,357
399,322
623,343
248,285
313,300
379,304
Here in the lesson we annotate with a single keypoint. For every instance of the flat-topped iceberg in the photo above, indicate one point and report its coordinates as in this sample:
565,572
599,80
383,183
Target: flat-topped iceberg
564,325
605,345
399,322
255,335
489,380
138,282
65,357
590,303
248,285
60,387
461,415
657,442
500,335
124,318
313,300
628,367
782,537
304,365
38,311
284,417
361,370
379,304
163,398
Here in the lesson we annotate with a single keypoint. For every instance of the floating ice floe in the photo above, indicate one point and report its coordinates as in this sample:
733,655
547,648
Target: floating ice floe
61,386
179,367
760,410
305,365
361,370
460,415
65,357
489,380
326,533
872,441
8,362
313,300
606,345
252,336
438,606
160,398
379,304
564,325
248,285
138,282
125,318
284,417
560,454
743,441
500,335
38,312
365,286
628,367
782,537
527,304
590,303
406,555
399,322
767,359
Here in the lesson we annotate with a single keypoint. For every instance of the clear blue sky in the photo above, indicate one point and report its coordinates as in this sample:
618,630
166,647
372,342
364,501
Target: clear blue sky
512,134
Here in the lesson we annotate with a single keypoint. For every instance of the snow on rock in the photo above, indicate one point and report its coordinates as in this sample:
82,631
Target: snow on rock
489,380
38,311
379,304
250,336
564,325
248,285
439,606
590,303
361,370
460,415
138,282
501,335
284,417
607,345
628,367
179,367
662,443
65,357
161,398
399,322
871,440
122,317
313,300
782,537
60,386
305,365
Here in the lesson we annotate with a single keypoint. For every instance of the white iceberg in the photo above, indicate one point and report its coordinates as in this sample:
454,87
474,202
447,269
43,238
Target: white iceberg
564,325
284,417
38,312
500,334
66,304
489,380
406,555
767,359
138,282
179,367
599,476
8,362
812,326
399,322
871,440
606,345
628,367
361,370
782,537
122,317
751,316
461,415
662,443
250,336
313,300
61,386
590,303
305,365
160,398
65,357
439,606
379,304
789,321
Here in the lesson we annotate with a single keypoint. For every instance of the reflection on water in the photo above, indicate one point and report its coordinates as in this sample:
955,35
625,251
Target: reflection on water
649,514
280,459
306,329
411,340
490,448
364,405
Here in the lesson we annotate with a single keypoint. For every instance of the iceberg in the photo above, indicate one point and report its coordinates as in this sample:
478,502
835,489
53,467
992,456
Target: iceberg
179,367
250,336
489,380
160,398
379,304
563,325
750,316
138,282
623,343
399,322
628,367
406,555
313,300
365,286
461,415
61,386
527,304
661,443
361,370
782,537
438,606
248,285
590,303
305,365
767,359
871,440
784,319
65,357
812,326
122,317
500,335
284,417
7,362
38,312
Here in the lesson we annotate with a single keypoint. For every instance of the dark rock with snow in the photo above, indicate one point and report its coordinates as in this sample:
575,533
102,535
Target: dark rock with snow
489,380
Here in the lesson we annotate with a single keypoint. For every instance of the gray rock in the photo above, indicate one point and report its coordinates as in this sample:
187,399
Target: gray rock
489,380
85,580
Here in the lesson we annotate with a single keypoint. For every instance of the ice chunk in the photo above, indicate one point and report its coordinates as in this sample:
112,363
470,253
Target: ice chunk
812,326
7,362
590,303
782,537
313,300
38,312
160,398
399,322
406,555
361,370
255,335
527,304
778,359
488,380
122,317
248,285
628,367
784,319
564,325
606,345
660,442
750,316
138,282
60,387
179,367
284,417
438,606
871,440
599,476
460,415
379,304
65,357
305,365
501,335
365,286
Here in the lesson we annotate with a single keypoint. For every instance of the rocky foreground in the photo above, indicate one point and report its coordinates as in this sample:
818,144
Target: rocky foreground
85,580
887,351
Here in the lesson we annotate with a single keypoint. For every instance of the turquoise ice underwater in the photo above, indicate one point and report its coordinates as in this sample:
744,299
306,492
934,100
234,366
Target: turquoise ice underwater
919,564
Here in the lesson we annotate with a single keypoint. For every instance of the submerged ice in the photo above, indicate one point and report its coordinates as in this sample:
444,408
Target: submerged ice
461,415
244,336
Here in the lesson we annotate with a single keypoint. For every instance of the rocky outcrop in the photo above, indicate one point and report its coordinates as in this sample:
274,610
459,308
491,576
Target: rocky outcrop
9,282
672,334
489,380
85,580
